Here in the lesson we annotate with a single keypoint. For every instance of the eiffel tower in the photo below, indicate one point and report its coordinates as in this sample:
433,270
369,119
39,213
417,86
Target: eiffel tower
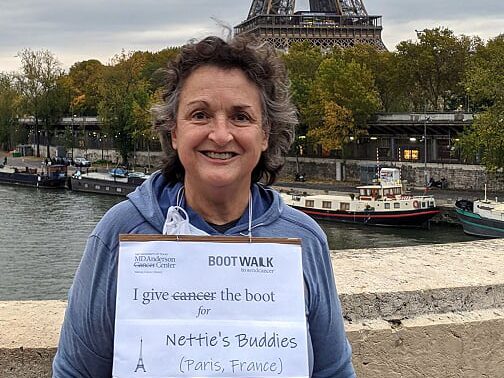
328,23
140,364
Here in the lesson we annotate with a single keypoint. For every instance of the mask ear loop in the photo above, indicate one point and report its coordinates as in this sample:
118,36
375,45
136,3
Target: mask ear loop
180,194
250,217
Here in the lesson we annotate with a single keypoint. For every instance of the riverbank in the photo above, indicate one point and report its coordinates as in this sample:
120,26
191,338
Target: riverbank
445,198
423,311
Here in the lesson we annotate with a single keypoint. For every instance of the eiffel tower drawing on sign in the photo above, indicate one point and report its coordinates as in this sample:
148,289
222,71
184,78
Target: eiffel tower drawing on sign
140,364
328,23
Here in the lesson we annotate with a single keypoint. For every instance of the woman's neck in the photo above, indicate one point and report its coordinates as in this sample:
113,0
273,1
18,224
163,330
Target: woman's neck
218,206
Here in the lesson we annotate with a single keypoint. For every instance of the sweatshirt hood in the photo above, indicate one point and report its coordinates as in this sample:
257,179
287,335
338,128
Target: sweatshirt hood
153,198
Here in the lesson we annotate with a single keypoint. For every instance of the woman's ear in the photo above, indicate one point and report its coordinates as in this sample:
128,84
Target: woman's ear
265,141
173,138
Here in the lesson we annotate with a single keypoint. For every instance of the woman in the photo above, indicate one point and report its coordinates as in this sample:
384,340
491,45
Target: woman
225,123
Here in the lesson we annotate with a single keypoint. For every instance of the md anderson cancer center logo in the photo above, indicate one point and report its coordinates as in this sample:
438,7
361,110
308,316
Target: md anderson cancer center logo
154,261
247,264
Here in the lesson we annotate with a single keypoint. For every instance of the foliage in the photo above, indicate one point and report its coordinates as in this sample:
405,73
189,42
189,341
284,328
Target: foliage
484,79
434,67
155,63
125,101
302,62
485,84
38,85
345,95
9,102
389,79
85,79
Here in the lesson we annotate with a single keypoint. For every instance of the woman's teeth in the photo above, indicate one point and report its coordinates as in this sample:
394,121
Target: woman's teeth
219,155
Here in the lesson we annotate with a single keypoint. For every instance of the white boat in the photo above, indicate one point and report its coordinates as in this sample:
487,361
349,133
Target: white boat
384,203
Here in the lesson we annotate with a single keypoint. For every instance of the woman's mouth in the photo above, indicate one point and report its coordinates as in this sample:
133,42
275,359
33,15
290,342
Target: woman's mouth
219,155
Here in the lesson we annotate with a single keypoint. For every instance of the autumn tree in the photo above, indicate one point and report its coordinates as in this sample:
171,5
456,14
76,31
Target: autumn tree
343,96
85,79
484,83
125,101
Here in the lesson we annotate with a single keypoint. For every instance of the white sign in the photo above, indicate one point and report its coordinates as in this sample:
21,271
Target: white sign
208,309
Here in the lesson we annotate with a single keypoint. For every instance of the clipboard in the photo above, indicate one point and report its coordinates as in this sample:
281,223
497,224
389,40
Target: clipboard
210,306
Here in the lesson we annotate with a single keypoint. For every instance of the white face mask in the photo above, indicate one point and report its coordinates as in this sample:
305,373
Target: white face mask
177,223
177,219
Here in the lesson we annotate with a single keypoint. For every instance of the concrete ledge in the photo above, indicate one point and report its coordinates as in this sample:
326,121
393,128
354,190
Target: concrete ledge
446,345
423,311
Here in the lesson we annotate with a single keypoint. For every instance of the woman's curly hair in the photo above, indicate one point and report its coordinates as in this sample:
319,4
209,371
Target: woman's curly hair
263,67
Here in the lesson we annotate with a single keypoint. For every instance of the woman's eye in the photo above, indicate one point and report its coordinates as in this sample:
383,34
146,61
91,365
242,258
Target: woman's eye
199,116
242,117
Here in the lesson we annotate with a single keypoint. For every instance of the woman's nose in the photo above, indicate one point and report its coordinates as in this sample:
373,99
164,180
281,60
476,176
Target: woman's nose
221,132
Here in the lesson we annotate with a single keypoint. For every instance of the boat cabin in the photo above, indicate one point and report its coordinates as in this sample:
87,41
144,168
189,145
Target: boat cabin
376,192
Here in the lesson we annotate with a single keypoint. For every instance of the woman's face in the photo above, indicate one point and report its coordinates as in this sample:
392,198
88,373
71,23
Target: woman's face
218,135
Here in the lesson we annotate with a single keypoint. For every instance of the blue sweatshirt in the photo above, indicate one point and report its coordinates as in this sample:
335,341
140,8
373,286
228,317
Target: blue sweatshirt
87,336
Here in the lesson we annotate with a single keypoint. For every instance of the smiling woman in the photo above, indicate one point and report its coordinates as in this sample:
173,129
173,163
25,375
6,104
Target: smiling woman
226,122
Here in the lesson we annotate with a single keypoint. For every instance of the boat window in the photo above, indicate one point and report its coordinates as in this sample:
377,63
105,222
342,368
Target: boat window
397,205
107,188
309,203
344,206
97,187
119,190
423,204
326,204
387,205
86,185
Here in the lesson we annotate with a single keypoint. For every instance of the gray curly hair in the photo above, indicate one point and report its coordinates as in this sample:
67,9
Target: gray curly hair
263,67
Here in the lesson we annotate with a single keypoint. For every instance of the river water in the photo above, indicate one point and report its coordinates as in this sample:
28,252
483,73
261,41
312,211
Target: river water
43,234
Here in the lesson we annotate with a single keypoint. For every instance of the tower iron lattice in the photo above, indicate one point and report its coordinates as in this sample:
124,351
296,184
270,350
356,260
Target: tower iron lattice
328,23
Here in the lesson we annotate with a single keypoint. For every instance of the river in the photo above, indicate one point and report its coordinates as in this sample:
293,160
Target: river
44,233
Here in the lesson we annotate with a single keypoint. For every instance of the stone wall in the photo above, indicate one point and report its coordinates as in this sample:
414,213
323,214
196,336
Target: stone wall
459,176
423,311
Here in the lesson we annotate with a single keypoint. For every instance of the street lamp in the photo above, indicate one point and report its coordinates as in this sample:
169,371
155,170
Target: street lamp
73,136
426,119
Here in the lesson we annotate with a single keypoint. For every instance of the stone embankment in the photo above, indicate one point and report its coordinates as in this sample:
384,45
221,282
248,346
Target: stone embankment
422,311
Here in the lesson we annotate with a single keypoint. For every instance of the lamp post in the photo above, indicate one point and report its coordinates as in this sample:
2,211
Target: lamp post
73,136
426,119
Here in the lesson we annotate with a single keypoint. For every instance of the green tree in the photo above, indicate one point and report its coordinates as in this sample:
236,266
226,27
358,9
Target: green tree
434,67
154,65
302,62
125,101
343,97
388,78
485,84
37,83
9,102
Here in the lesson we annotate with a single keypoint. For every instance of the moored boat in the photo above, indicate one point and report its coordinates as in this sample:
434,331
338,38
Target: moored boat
95,182
48,176
481,217
383,203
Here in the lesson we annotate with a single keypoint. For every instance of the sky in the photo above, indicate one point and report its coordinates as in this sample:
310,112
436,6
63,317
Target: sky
77,30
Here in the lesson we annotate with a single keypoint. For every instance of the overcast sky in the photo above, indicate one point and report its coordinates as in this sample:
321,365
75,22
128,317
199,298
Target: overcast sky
76,30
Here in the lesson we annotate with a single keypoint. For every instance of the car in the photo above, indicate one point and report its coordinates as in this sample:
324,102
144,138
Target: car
59,160
81,162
